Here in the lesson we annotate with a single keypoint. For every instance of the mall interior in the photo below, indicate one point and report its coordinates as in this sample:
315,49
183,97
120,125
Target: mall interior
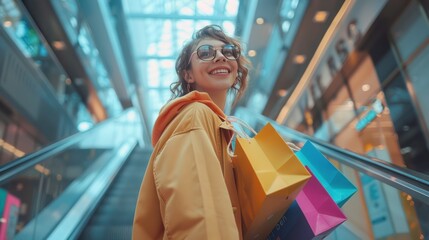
82,82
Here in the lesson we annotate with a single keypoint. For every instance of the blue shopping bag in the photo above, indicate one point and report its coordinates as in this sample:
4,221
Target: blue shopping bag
335,183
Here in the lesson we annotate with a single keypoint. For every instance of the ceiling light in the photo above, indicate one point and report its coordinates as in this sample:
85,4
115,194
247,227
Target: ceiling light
58,45
282,92
299,59
285,26
321,16
251,53
294,3
366,87
7,23
83,126
259,21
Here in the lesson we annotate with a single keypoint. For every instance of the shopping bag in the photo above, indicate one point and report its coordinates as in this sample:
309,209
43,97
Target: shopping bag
313,215
335,183
269,177
9,210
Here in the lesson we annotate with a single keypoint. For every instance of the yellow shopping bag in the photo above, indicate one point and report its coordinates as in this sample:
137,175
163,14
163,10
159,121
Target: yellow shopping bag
269,177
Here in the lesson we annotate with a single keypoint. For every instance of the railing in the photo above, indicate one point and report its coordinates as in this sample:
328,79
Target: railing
392,201
47,185
43,189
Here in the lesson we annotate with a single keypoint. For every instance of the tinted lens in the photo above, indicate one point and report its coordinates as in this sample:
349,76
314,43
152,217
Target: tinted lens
230,51
206,52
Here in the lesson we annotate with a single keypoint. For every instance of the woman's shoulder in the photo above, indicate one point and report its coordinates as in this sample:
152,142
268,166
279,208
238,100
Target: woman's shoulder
198,114
197,108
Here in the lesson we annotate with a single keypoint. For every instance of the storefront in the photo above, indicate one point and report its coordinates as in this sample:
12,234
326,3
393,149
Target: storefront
367,92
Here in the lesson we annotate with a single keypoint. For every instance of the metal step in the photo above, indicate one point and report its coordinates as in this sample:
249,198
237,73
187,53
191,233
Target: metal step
113,218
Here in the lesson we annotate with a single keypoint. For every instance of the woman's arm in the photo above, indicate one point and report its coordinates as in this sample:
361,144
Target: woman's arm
194,200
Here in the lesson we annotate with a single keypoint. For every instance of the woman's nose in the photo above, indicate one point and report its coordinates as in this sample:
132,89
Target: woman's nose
219,56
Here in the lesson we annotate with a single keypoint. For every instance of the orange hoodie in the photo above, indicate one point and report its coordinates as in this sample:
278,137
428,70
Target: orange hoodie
189,191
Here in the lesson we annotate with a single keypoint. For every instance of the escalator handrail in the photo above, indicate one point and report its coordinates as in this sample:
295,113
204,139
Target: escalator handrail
18,165
408,180
416,176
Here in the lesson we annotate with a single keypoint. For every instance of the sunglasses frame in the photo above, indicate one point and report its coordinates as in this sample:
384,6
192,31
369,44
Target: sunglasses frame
215,52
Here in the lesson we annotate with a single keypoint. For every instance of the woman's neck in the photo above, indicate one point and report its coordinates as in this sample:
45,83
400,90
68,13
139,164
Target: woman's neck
219,98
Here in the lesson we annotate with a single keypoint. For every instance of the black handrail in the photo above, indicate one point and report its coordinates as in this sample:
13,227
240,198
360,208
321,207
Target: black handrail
18,165
407,180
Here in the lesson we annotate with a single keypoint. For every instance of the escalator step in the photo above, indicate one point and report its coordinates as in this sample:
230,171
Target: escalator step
114,215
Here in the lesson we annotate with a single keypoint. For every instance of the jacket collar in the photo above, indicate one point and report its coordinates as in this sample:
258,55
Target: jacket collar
169,111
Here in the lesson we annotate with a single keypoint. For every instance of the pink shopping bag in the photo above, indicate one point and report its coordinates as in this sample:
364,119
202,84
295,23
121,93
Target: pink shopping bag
9,214
313,215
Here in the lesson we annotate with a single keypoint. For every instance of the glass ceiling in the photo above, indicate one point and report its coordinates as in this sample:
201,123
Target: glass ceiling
158,30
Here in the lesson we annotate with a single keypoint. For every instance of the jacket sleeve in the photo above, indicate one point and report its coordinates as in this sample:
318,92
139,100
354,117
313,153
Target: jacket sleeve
193,196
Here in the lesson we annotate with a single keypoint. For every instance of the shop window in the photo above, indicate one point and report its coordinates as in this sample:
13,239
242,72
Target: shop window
418,75
410,31
410,34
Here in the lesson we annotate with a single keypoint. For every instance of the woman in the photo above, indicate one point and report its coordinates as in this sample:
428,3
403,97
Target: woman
188,191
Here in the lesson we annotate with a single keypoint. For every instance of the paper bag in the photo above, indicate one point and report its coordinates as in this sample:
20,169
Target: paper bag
9,210
269,177
335,183
313,215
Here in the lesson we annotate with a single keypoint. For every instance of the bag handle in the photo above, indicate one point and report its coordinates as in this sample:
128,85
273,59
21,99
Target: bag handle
242,125
240,131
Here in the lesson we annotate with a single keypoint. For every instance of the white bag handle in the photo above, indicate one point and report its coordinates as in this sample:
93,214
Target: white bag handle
242,133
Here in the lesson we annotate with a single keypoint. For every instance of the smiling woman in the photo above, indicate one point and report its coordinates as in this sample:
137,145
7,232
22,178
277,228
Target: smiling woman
157,38
210,49
189,190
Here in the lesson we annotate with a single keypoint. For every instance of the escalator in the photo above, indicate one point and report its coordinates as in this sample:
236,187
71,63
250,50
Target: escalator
85,187
81,187
113,218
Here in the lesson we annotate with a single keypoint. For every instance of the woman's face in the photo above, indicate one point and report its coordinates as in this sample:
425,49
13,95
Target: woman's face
214,76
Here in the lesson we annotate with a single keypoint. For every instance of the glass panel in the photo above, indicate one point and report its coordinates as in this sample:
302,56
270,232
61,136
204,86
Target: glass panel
40,196
386,212
26,36
88,53
418,73
410,35
158,31
340,111
410,30
377,210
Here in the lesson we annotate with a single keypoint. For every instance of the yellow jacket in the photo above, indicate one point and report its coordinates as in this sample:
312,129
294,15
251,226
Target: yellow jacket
188,191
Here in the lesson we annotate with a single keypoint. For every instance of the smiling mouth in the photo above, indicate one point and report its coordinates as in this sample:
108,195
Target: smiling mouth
220,71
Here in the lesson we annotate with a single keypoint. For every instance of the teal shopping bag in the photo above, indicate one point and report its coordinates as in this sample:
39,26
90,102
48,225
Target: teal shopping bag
335,183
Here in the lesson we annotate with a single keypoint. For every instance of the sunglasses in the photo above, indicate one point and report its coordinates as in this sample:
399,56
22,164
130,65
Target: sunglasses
208,52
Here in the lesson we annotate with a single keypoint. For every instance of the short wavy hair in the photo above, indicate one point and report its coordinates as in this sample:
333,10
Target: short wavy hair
180,88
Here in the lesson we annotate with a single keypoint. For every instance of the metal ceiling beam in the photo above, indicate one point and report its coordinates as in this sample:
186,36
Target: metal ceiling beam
306,42
96,14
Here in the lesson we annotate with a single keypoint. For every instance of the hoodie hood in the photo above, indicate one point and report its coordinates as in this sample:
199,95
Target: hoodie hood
170,111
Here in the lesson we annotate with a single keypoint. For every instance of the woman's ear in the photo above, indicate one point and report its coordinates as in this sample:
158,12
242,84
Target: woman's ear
188,77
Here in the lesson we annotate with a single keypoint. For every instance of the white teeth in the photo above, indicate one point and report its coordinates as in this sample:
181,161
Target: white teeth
219,71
